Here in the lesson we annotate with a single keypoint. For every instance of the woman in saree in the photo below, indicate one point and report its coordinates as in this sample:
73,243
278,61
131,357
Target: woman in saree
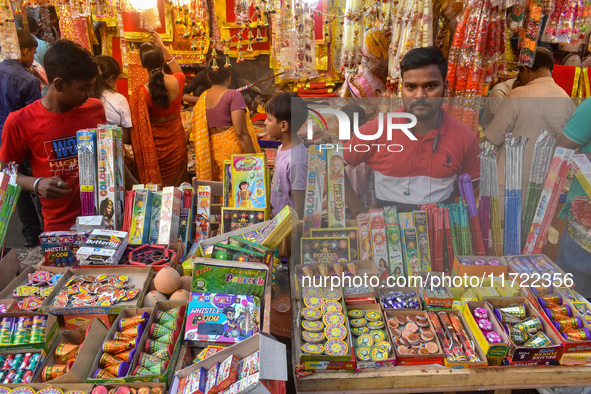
221,125
158,135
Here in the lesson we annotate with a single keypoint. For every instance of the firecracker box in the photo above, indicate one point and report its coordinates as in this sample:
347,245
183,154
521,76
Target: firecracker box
387,292
461,266
249,245
265,358
314,188
222,318
273,234
227,373
83,388
496,351
139,277
390,359
9,304
522,354
167,375
575,358
73,322
23,280
439,298
126,313
90,338
236,253
482,362
195,382
527,277
312,361
410,359
49,337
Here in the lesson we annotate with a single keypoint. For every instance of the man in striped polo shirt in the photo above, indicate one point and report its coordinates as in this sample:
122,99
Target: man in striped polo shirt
424,170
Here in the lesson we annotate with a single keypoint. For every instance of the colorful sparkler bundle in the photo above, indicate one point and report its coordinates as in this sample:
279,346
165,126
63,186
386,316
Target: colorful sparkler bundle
514,152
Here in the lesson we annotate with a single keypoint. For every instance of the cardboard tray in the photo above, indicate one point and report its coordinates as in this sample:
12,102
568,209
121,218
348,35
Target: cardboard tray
297,337
391,360
128,312
51,332
10,266
497,351
167,375
273,365
90,345
23,279
10,304
479,270
411,359
85,388
37,370
552,263
521,354
477,349
386,291
138,276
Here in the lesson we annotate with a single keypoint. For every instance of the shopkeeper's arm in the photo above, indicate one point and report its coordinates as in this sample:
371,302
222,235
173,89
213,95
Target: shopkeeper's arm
52,187
566,142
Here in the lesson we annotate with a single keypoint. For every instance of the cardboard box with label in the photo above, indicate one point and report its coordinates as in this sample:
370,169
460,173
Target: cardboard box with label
90,344
44,342
270,372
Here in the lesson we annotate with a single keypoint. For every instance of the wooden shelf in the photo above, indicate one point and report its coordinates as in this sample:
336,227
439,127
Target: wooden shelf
433,378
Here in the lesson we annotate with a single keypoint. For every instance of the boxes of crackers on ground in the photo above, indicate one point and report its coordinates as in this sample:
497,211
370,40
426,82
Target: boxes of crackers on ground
349,274
535,269
435,290
222,318
460,349
255,365
19,367
130,388
72,354
413,337
60,247
92,290
113,361
323,329
32,287
27,330
566,318
487,331
400,298
159,348
479,266
371,343
48,388
531,337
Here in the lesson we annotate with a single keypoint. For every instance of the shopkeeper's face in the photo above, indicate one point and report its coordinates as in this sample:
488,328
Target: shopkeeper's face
422,91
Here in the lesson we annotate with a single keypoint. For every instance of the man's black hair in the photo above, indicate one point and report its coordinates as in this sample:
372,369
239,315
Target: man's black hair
424,57
281,105
543,58
69,61
26,40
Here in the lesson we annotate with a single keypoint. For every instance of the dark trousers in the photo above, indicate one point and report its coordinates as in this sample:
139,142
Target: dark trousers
28,207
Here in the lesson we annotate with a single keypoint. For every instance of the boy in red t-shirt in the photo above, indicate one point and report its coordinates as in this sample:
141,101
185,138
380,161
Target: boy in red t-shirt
45,132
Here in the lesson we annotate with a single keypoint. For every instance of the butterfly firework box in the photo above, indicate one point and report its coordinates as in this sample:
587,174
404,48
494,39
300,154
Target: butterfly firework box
250,181
103,247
